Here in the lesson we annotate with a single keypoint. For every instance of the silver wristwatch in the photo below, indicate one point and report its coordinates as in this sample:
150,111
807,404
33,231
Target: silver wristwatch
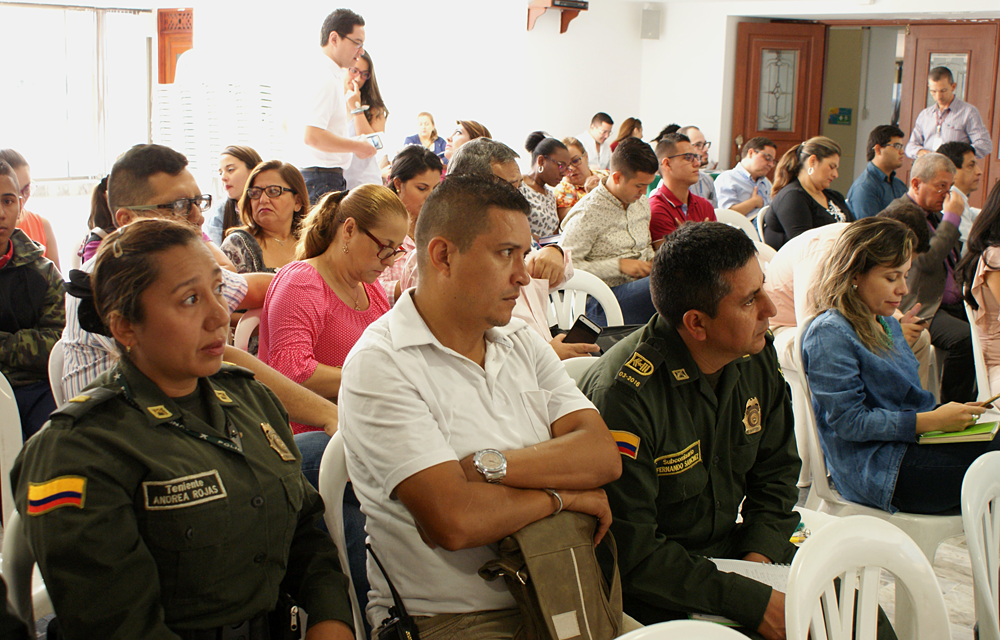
491,463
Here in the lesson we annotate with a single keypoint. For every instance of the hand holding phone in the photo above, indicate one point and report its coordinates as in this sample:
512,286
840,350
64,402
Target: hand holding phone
583,330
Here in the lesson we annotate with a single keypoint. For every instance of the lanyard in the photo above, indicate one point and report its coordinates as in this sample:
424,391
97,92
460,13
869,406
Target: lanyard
940,116
235,444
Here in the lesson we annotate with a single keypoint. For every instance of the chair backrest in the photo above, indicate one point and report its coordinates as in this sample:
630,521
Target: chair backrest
332,481
981,520
855,549
11,442
18,568
738,220
56,372
245,328
684,630
982,374
570,300
578,367
817,463
759,221
765,253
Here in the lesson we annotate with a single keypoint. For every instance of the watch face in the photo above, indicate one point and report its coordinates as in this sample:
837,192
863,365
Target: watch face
491,460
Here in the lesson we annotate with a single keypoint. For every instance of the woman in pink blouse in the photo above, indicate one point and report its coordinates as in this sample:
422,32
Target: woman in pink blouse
978,273
317,307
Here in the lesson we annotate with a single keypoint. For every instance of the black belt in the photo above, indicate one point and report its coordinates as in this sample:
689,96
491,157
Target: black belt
254,629
324,169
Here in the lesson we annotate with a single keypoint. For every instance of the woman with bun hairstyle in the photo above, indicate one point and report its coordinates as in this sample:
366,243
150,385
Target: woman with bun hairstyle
802,197
550,162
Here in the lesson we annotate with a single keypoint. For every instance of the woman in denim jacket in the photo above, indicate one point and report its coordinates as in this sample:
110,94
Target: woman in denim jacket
867,397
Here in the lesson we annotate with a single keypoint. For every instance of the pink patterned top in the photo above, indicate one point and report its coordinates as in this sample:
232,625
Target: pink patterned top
394,274
304,324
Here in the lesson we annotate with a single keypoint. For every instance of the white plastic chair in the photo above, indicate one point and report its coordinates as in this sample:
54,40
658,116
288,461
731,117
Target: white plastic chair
765,253
56,372
928,531
578,367
759,221
570,300
684,630
245,328
982,374
11,442
981,515
738,220
855,549
332,481
25,587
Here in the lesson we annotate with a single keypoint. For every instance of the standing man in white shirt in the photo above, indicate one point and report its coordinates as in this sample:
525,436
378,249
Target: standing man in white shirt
947,120
595,140
323,151
967,177
461,425
745,188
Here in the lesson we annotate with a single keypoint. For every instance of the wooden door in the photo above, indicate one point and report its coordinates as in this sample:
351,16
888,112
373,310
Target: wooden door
769,58
976,46
175,36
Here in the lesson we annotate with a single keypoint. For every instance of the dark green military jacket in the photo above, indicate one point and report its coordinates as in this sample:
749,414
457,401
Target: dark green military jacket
690,454
144,519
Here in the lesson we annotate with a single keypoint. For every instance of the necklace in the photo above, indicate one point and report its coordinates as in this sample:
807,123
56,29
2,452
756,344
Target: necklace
275,239
885,328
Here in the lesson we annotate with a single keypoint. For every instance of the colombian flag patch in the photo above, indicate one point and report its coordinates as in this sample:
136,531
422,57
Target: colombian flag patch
628,443
66,491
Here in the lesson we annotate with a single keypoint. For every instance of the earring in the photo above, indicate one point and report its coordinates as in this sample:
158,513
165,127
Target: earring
345,247
128,350
854,286
810,171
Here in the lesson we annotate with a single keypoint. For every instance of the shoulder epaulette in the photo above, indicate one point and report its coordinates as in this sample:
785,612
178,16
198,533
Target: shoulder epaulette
235,370
81,404
639,367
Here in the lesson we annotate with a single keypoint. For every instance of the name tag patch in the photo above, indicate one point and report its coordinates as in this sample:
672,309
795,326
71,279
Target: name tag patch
183,492
677,463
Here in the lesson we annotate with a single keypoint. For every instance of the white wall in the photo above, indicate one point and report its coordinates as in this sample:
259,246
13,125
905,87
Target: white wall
876,109
458,59
688,73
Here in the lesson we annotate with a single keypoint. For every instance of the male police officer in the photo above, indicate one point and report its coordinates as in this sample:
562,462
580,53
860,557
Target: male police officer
702,417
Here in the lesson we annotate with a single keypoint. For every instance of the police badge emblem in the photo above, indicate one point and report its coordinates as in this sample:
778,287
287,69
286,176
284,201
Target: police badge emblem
751,417
277,443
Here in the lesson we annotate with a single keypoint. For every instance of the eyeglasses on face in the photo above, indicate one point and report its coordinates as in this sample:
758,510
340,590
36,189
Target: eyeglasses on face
357,45
701,146
27,190
385,251
693,158
272,191
768,158
179,208
576,161
898,146
562,166
358,72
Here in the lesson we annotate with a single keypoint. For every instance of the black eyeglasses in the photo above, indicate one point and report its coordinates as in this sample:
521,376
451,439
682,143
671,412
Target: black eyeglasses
562,166
577,161
693,158
358,45
358,72
272,191
179,208
385,251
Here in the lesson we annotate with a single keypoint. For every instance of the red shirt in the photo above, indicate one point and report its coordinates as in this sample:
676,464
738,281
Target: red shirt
667,211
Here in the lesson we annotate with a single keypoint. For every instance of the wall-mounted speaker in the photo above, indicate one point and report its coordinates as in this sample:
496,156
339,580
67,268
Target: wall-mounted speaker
650,24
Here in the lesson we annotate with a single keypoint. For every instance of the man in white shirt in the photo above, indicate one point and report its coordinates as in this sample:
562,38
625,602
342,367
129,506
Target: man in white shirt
595,140
705,187
967,176
320,146
461,425
745,188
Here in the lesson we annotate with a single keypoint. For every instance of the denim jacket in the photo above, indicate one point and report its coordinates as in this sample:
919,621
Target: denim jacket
866,406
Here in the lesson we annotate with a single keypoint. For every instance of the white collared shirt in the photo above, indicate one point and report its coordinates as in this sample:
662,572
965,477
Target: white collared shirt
324,108
408,403
968,215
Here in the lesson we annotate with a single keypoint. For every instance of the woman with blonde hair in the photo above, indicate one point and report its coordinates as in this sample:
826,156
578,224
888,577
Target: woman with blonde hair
802,197
866,393
272,206
629,128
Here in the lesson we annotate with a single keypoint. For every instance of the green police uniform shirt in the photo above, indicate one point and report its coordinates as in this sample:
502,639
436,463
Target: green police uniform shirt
690,454
146,520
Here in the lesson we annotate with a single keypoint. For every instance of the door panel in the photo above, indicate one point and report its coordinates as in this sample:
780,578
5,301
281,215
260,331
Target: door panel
974,43
779,83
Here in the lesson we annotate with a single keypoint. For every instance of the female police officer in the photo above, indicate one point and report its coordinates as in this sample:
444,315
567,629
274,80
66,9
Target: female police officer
167,500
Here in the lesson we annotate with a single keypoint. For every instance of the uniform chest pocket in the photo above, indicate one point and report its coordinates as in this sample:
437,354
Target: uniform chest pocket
295,492
744,455
680,479
536,405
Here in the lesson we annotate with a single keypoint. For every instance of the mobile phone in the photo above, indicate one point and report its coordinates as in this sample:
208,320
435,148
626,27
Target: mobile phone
584,330
923,320
991,400
375,139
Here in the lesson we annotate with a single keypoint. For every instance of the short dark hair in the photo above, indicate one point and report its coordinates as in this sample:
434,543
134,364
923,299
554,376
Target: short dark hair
667,145
689,268
128,183
914,218
540,143
667,130
458,209
7,170
632,156
881,135
342,21
941,73
758,144
955,151
412,161
601,117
